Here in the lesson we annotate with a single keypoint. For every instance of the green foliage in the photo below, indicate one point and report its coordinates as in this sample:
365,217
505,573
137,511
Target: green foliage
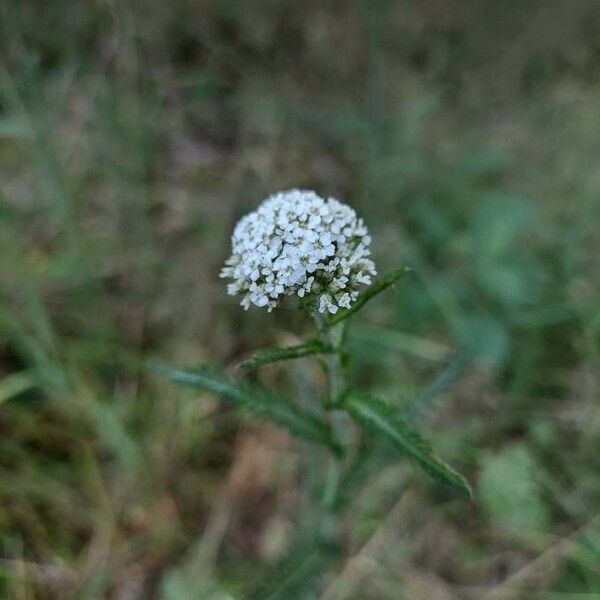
192,578
259,402
383,420
379,285
510,491
269,355
297,572
15,384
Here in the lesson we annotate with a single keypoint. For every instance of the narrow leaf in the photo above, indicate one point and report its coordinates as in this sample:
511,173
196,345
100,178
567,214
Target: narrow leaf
269,355
256,400
383,420
203,378
378,286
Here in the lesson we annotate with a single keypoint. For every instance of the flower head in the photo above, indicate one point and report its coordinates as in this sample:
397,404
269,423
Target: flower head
297,243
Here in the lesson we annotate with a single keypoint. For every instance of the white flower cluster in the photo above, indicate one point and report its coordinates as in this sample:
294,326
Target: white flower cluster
297,243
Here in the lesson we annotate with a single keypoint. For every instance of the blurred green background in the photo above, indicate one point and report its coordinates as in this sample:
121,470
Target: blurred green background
133,134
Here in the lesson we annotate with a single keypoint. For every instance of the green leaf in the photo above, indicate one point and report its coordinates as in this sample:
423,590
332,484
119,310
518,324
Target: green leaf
511,492
302,423
269,355
378,286
383,420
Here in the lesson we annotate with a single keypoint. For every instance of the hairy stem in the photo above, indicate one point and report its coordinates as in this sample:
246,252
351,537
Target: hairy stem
333,336
336,388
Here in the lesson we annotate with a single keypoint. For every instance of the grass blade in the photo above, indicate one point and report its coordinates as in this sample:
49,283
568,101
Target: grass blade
378,286
269,355
255,400
383,420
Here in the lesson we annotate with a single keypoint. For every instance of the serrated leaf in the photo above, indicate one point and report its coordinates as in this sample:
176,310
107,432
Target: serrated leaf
378,286
302,423
383,420
269,355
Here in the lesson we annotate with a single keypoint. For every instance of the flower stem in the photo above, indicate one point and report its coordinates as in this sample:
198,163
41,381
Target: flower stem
334,337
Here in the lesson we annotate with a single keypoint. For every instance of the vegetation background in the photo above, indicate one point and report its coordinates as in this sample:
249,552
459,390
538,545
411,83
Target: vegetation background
133,134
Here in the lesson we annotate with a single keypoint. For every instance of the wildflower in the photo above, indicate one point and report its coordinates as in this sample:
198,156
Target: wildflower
299,244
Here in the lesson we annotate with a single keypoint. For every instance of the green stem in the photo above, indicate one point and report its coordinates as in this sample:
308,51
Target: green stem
333,336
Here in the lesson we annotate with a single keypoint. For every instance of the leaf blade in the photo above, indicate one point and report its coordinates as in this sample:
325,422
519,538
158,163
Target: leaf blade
378,286
274,354
382,419
303,424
